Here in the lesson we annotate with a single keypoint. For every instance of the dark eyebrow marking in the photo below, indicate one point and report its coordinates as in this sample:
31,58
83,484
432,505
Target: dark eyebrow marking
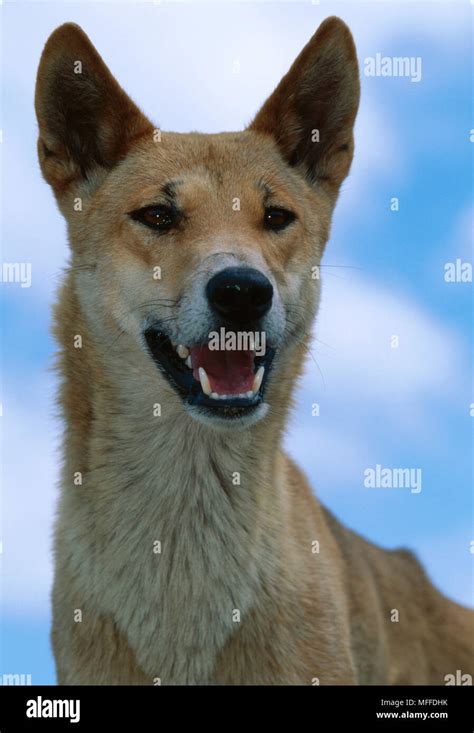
267,191
169,189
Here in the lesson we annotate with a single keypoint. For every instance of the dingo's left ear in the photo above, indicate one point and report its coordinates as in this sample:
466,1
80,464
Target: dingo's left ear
86,120
312,111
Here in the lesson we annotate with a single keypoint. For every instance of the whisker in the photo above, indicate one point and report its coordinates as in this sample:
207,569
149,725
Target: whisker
79,268
346,267
151,304
284,270
111,342
60,274
301,339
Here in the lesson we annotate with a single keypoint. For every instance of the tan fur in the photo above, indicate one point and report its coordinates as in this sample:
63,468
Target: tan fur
171,616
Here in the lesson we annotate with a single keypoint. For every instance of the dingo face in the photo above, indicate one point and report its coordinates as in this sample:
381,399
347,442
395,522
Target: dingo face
177,238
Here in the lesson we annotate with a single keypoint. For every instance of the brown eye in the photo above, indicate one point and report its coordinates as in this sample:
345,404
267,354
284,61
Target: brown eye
159,218
278,219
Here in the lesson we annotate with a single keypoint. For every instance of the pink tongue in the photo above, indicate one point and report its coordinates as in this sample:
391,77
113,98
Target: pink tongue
229,372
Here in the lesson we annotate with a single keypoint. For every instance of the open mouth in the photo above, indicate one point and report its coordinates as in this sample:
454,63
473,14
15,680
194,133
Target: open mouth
229,382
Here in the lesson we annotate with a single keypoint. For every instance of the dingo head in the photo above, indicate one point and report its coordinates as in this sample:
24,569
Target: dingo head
177,237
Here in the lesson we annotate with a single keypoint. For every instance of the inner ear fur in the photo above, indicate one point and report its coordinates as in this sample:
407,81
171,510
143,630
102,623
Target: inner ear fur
86,120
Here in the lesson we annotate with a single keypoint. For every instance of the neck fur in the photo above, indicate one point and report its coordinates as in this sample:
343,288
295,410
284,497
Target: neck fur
185,518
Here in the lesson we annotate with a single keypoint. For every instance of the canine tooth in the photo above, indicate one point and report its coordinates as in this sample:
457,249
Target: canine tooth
183,352
258,379
214,395
188,362
249,394
204,379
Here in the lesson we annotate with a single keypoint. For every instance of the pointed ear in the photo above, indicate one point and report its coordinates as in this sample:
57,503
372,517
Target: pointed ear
312,111
86,120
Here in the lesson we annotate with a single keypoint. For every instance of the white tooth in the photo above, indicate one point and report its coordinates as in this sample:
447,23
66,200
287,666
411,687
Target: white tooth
214,395
183,352
258,379
242,395
189,363
223,396
249,394
204,379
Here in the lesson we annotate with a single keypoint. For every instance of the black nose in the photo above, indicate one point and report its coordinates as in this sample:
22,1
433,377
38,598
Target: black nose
240,294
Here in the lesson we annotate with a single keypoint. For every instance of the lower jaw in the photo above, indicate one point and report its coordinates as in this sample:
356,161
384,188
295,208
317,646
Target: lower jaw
231,418
232,408
226,405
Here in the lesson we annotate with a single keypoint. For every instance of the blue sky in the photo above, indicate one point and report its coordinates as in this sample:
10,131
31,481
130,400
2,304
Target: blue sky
383,271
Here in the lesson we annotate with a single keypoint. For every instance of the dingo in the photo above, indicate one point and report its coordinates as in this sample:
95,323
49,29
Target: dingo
185,543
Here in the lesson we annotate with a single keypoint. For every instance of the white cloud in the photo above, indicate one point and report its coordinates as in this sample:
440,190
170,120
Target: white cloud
379,154
357,320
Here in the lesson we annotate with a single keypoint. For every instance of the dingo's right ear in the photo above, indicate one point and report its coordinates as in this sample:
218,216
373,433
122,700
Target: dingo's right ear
86,120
